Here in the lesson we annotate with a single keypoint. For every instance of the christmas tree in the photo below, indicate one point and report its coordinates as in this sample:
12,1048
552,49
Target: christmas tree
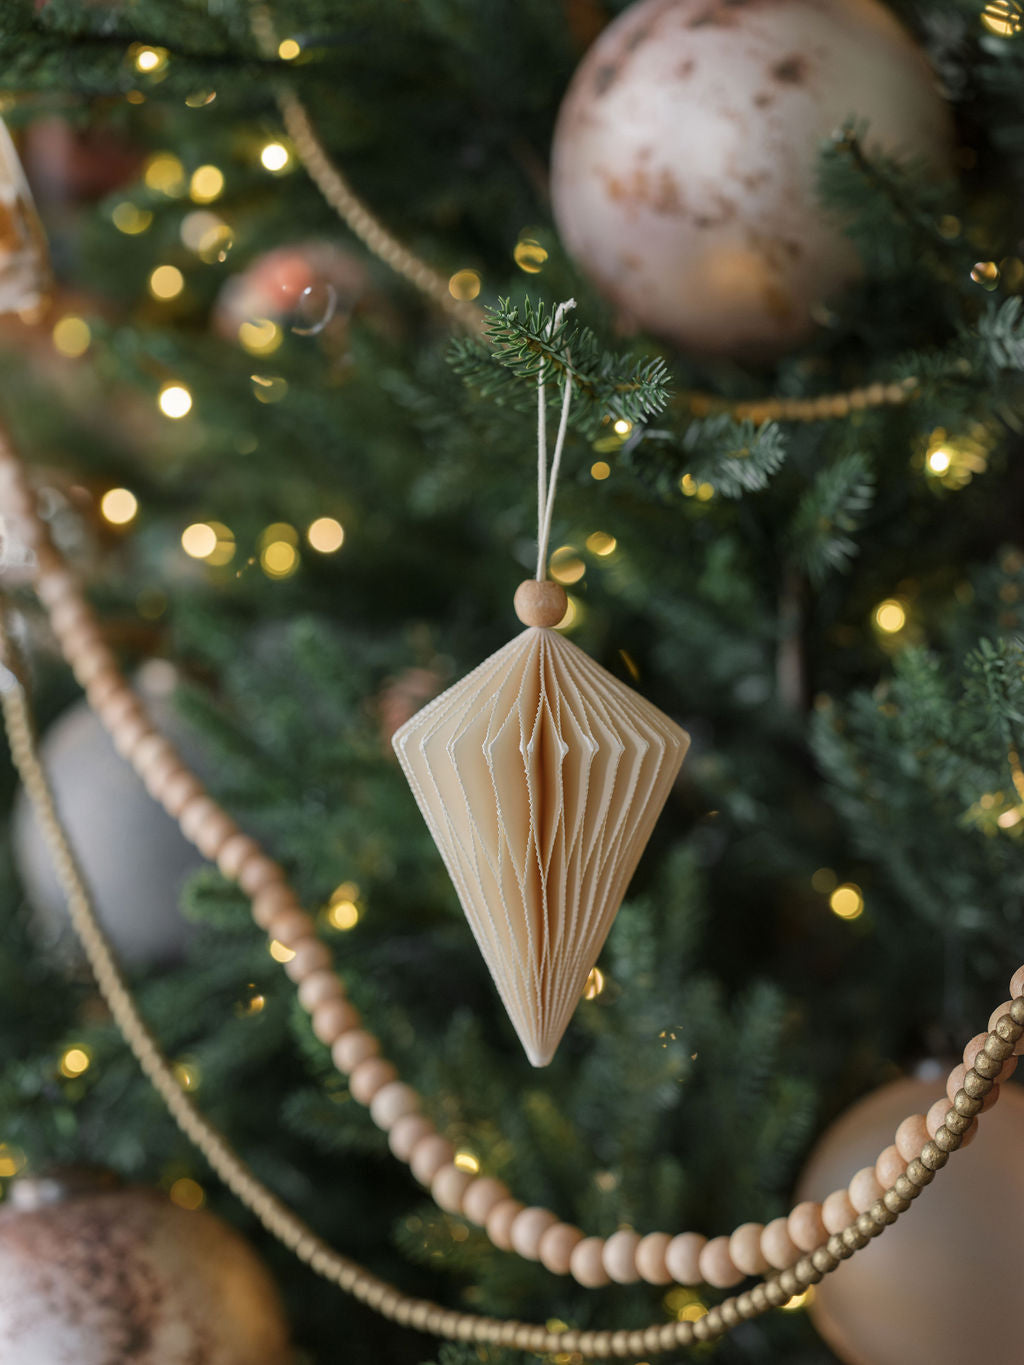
280,415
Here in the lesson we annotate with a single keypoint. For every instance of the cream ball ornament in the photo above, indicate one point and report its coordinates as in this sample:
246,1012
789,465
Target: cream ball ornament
913,1295
685,159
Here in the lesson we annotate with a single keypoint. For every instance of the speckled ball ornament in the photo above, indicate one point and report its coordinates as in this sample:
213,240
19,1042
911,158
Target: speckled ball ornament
914,1296
686,151
134,856
93,1275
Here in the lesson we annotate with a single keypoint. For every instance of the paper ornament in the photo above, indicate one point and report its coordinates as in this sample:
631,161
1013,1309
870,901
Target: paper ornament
540,776
24,256
683,169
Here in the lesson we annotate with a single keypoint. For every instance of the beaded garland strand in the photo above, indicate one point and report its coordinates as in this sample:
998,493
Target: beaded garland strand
534,1233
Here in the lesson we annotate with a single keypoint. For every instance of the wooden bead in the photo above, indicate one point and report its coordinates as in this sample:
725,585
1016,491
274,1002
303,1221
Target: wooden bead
586,1265
318,987
153,751
969,1134
67,614
989,1099
556,1247
290,927
121,706
310,956
620,1256
837,1213
448,1186
777,1245
159,773
369,1077
1000,1012
353,1048
498,1224
864,1189
528,1226
271,901
888,1168
716,1265
955,1081
482,1196
393,1102
745,1249
429,1155
234,852
406,1132
805,1226
540,604
936,1116
196,813
682,1258
1017,983
911,1136
129,733
55,585
259,873
334,1018
650,1258
102,686
92,662
179,790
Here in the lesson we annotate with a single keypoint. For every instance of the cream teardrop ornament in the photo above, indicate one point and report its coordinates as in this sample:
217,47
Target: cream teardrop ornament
24,256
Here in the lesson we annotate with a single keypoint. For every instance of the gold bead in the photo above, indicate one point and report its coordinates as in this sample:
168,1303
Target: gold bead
867,1226
1017,1010
759,1298
967,1105
775,1294
807,1272
905,1188
837,1247
894,1202
933,1156
540,604
824,1260
976,1085
881,1213
946,1140
957,1122
730,1312
702,1329
715,1321
919,1174
986,1065
745,1306
997,1047
1008,1029
789,1282
854,1238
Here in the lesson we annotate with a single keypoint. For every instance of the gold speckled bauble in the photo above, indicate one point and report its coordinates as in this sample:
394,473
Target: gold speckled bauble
944,1282
686,150
123,1277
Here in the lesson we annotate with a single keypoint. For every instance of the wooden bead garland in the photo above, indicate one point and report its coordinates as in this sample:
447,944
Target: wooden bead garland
989,1059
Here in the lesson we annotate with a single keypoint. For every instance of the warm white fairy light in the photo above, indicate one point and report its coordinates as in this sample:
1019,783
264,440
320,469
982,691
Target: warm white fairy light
279,952
119,506
75,1061
174,401
847,901
72,336
288,49
199,540
166,282
600,470
275,157
326,535
890,616
150,59
165,174
206,184
464,285
187,1194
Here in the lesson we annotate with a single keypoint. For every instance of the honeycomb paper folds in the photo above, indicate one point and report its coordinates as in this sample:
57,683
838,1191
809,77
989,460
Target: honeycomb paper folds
540,777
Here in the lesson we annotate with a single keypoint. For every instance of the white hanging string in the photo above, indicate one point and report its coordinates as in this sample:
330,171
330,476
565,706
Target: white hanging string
545,485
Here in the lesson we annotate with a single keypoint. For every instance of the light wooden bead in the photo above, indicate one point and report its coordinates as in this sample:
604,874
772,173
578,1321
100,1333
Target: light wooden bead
806,1227
215,831
406,1132
528,1226
864,1189
911,1136
235,851
392,1103
682,1258
448,1186
650,1258
969,1134
717,1267
318,987
199,809
103,684
556,1247
79,641
259,873
837,1213
936,1116
586,1265
429,1155
955,1081
991,1099
620,1256
290,927
129,733
71,612
778,1247
997,1014
93,661
179,790
369,1077
159,773
745,1249
271,902
499,1222
55,585
334,1018
311,955
153,751
481,1197
1017,983
888,1169
540,604
121,706
353,1048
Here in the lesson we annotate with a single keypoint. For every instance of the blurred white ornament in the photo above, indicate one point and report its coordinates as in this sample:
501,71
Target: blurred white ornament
134,857
685,157
24,254
944,1282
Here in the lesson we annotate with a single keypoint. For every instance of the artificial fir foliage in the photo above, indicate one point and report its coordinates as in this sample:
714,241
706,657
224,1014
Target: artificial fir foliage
830,608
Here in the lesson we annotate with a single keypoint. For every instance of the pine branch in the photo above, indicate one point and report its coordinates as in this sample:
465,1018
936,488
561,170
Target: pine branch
1001,330
526,346
828,514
